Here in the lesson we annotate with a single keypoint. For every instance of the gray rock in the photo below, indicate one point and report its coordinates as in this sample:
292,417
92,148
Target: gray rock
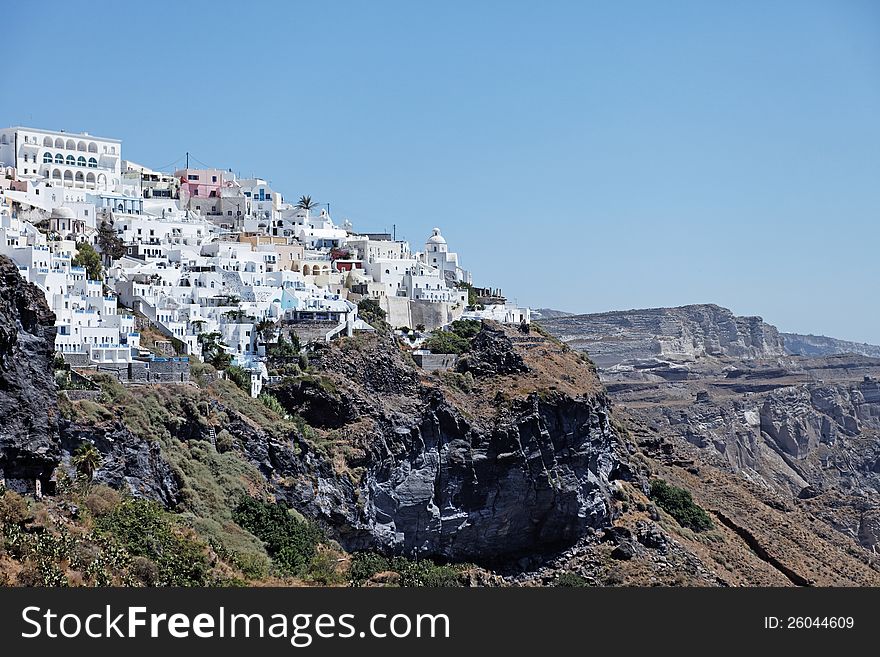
29,445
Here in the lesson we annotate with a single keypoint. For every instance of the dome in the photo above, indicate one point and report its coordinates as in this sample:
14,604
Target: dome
62,213
436,237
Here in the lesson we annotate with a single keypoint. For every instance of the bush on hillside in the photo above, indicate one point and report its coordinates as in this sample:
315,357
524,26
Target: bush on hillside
291,543
678,503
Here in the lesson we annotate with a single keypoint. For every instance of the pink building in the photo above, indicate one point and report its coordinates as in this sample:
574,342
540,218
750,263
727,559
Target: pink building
201,183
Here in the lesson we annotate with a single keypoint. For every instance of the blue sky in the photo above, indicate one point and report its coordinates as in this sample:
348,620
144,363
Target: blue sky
587,156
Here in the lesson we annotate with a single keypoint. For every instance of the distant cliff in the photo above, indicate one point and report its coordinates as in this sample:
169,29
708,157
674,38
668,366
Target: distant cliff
820,345
681,334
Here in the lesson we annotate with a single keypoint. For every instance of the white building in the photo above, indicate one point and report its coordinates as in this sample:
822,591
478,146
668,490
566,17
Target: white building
437,254
77,160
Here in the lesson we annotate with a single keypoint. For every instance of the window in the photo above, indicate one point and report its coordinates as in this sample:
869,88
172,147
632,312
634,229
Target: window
47,158
71,161
59,159
93,163
80,161
229,213
213,178
192,177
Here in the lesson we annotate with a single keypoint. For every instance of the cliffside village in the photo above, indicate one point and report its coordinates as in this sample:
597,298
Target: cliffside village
203,252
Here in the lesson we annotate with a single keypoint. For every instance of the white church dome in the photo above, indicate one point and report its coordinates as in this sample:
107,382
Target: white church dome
436,237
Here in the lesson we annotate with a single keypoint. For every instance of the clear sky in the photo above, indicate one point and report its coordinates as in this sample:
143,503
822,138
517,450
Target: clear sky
585,156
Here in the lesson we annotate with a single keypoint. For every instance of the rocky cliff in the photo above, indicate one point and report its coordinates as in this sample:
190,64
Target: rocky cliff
465,468
681,334
499,459
820,345
29,446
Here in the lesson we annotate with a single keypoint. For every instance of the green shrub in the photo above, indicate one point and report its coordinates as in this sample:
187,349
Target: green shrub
143,529
272,403
570,580
371,312
101,500
291,543
446,342
466,328
678,503
240,377
413,572
14,508
366,564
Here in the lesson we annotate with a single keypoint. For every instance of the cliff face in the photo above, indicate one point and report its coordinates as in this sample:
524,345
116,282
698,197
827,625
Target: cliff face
820,345
679,334
432,469
29,447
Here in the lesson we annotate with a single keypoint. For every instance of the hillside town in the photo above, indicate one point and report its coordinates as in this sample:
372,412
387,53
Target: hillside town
145,269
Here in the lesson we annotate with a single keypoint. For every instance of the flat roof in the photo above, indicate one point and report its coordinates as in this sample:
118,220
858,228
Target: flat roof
62,133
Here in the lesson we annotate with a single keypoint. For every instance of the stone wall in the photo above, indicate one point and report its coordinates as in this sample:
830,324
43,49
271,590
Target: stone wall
432,362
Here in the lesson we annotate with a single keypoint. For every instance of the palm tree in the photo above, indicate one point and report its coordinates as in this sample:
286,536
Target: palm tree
266,330
306,203
87,460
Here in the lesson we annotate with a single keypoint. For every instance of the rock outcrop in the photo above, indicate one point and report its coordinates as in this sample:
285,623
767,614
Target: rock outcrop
482,483
29,446
679,334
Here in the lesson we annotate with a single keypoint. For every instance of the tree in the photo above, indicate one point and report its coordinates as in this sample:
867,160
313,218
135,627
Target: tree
87,460
446,342
306,203
283,352
371,311
212,350
266,330
87,257
466,328
109,242
236,315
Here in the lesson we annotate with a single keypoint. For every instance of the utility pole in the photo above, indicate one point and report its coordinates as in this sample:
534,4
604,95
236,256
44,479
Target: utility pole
187,159
394,232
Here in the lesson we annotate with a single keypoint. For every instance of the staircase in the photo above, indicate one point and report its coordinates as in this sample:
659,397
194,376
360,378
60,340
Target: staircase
212,436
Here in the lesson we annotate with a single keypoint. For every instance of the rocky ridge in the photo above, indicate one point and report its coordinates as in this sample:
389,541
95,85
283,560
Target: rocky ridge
677,335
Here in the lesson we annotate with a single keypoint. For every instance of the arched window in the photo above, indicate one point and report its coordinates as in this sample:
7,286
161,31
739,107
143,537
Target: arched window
70,145
47,158
80,161
68,177
59,158
93,163
81,146
3,139
71,161
79,177
113,150
93,147
56,174
47,141
90,177
59,142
